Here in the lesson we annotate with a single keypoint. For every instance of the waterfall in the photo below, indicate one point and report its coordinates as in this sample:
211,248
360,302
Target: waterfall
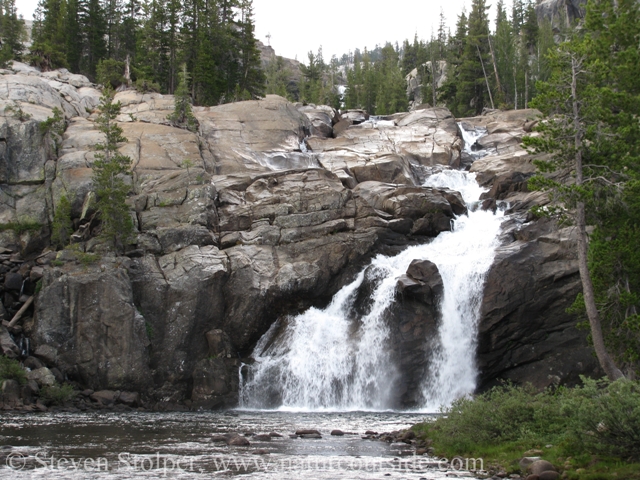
470,135
335,358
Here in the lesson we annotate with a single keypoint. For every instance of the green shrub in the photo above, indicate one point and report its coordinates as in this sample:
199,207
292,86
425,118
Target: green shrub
147,86
21,227
16,112
57,394
149,329
504,414
110,73
12,370
605,418
598,418
55,124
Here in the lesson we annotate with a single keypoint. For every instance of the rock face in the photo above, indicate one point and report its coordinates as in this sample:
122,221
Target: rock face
561,13
415,318
415,82
266,210
525,332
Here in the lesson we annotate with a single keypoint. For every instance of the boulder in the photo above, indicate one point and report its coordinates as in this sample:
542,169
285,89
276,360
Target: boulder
7,346
13,281
33,363
214,384
237,440
42,376
104,397
243,136
219,343
355,116
321,117
423,281
549,475
47,353
36,274
392,151
131,399
11,393
540,466
307,431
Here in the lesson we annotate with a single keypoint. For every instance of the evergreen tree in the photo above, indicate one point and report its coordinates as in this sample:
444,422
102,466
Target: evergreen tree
109,168
391,87
12,32
153,55
182,115
473,93
354,83
312,83
592,133
504,48
49,35
369,88
74,37
62,226
455,50
251,81
277,77
93,28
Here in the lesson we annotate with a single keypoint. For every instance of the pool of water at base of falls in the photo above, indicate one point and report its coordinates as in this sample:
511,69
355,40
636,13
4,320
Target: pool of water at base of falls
180,445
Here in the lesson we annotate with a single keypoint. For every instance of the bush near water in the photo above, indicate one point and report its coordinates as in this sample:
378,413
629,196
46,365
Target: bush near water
589,432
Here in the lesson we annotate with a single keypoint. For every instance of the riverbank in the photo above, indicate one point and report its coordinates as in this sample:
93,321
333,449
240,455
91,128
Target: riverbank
588,432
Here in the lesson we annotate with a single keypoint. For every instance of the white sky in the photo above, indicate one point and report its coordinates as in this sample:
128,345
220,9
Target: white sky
297,26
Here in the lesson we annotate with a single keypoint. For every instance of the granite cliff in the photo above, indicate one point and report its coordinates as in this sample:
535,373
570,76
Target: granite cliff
281,205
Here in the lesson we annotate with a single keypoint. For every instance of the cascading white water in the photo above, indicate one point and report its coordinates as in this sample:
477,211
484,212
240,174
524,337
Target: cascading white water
333,359
470,136
463,258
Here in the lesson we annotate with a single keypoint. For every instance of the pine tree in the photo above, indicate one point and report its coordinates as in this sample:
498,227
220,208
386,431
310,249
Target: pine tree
93,30
109,168
592,133
311,85
473,93
455,50
277,76
182,115
391,86
369,84
12,32
353,97
251,79
49,35
74,37
62,226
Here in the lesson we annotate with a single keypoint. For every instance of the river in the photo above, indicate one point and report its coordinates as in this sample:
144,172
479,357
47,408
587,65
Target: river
179,445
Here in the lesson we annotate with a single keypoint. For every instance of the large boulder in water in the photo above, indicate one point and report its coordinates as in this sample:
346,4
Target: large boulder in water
414,320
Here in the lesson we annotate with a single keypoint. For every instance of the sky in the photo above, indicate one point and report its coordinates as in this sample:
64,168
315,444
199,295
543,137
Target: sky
298,26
